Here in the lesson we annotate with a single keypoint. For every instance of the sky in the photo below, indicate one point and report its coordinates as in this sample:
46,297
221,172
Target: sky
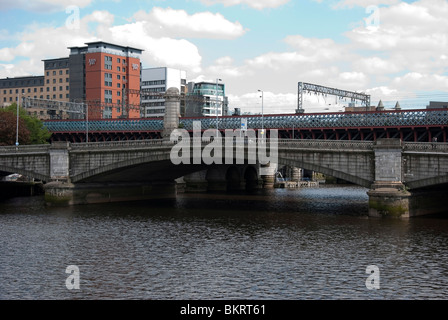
392,50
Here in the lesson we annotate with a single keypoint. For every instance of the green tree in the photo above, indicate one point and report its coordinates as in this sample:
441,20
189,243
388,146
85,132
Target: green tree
38,133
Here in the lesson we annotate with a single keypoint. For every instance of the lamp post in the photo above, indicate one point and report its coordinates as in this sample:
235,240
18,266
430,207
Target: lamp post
262,116
87,122
17,125
217,106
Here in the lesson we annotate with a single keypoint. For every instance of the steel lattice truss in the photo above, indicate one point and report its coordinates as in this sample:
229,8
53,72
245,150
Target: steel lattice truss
403,118
303,86
54,105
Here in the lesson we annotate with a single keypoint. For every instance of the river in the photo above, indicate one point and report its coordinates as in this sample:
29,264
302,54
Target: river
288,244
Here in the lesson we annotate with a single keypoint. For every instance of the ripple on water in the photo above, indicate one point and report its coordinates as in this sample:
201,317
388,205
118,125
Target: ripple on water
287,244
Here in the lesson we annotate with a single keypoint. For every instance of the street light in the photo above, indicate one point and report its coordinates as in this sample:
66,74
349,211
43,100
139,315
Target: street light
217,106
262,118
17,126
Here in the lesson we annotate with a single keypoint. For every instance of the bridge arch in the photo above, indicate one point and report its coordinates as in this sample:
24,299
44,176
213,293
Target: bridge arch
428,182
27,173
327,171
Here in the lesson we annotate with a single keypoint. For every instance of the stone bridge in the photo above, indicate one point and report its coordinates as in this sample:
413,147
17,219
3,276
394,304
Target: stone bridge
391,169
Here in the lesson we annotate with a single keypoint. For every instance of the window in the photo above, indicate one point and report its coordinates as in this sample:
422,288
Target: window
54,73
54,88
118,85
47,73
118,77
66,80
48,81
67,87
118,60
60,80
48,96
60,88
60,96
66,71
60,72
118,69
54,81
48,89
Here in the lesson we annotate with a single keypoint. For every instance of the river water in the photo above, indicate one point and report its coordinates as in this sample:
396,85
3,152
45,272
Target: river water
311,243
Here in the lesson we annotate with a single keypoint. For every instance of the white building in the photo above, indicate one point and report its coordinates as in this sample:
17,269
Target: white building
158,80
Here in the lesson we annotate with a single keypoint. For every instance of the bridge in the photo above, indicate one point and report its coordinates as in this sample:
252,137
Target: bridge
81,173
395,171
425,125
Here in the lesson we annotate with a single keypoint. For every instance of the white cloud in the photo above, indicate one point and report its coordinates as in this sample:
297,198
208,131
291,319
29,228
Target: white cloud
365,3
273,103
256,4
378,66
179,24
158,51
41,5
39,42
414,81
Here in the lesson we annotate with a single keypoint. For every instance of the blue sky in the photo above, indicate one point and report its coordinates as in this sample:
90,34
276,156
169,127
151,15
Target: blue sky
391,49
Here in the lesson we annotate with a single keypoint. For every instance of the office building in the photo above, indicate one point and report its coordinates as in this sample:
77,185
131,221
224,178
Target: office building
206,99
154,83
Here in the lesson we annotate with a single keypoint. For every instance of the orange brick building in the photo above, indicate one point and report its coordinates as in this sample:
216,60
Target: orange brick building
105,76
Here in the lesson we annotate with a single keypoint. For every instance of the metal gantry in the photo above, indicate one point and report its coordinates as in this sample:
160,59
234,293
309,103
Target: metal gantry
309,87
72,109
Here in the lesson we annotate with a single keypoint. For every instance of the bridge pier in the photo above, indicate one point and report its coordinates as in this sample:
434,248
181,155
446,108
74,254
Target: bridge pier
67,194
389,201
267,173
388,195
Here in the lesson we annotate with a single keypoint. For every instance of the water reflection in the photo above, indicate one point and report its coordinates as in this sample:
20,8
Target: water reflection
284,244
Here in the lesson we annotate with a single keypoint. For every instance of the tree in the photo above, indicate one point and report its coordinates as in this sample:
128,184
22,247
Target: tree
8,128
38,133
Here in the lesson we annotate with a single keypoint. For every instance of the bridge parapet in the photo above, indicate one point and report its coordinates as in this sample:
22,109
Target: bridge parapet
156,143
25,149
425,147
325,144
